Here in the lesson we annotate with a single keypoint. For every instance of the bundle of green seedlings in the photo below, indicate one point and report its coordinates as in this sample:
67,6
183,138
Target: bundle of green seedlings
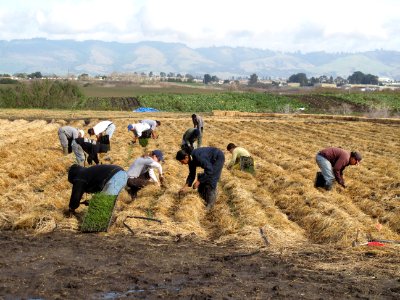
98,216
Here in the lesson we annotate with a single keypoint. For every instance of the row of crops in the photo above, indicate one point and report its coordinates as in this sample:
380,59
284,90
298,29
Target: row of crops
248,102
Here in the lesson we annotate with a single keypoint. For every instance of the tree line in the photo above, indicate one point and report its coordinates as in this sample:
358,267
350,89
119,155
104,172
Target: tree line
42,94
356,78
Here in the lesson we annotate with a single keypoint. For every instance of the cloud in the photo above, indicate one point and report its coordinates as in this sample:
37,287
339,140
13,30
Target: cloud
277,25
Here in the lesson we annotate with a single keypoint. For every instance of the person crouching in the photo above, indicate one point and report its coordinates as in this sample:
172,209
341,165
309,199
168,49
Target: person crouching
141,172
107,179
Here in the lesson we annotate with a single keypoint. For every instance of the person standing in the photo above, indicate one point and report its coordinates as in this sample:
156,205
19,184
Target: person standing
153,125
199,124
332,161
212,161
141,172
67,136
241,159
189,137
107,179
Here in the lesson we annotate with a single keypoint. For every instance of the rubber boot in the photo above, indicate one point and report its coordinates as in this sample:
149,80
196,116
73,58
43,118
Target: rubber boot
211,195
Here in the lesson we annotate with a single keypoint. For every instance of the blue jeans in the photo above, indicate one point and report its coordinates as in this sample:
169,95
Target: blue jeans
116,183
326,169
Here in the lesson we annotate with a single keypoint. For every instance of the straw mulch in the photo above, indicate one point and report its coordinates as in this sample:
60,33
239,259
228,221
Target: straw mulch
278,203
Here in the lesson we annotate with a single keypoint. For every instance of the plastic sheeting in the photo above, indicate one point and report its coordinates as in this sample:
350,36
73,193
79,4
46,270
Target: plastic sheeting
145,109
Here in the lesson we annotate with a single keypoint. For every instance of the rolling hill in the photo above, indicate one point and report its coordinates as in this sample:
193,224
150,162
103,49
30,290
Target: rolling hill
98,58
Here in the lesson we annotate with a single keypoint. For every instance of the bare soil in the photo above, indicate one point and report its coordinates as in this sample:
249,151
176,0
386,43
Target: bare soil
330,104
63,265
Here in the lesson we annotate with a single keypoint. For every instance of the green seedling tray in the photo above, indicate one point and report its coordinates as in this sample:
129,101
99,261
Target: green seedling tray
99,213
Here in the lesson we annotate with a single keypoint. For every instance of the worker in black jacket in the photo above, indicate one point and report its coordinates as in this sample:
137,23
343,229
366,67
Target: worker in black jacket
108,179
211,160
92,148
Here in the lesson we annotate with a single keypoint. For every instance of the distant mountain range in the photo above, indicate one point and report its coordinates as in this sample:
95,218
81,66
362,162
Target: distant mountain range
62,57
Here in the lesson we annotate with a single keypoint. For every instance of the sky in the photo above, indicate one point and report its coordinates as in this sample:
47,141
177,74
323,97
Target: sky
279,25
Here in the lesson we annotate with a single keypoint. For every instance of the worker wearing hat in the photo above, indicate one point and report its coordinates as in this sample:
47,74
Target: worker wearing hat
332,161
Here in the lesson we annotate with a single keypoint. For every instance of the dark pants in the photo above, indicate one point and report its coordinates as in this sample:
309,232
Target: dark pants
146,134
208,194
212,178
136,184
247,164
70,145
319,180
208,186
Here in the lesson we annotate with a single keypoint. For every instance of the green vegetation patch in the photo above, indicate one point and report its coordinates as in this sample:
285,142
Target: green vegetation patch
387,99
246,102
99,214
143,142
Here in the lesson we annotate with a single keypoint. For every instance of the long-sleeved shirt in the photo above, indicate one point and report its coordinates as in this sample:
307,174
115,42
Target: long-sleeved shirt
66,133
101,127
143,165
151,123
236,154
138,128
190,136
211,160
339,160
198,122
89,180
92,148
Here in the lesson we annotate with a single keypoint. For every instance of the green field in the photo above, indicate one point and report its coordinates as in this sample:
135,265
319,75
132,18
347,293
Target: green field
172,97
134,90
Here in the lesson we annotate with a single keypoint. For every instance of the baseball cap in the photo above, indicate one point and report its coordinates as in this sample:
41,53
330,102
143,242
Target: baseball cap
159,154
130,127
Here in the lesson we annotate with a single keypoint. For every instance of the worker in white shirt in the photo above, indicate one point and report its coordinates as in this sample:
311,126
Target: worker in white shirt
103,131
153,125
140,130
141,172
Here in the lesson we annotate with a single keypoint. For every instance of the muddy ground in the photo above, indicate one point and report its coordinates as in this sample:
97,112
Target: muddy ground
66,265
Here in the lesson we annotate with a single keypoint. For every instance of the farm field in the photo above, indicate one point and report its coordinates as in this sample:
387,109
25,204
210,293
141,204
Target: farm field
194,253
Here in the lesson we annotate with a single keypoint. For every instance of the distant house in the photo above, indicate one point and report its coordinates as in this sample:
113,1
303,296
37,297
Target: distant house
385,80
325,85
293,84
